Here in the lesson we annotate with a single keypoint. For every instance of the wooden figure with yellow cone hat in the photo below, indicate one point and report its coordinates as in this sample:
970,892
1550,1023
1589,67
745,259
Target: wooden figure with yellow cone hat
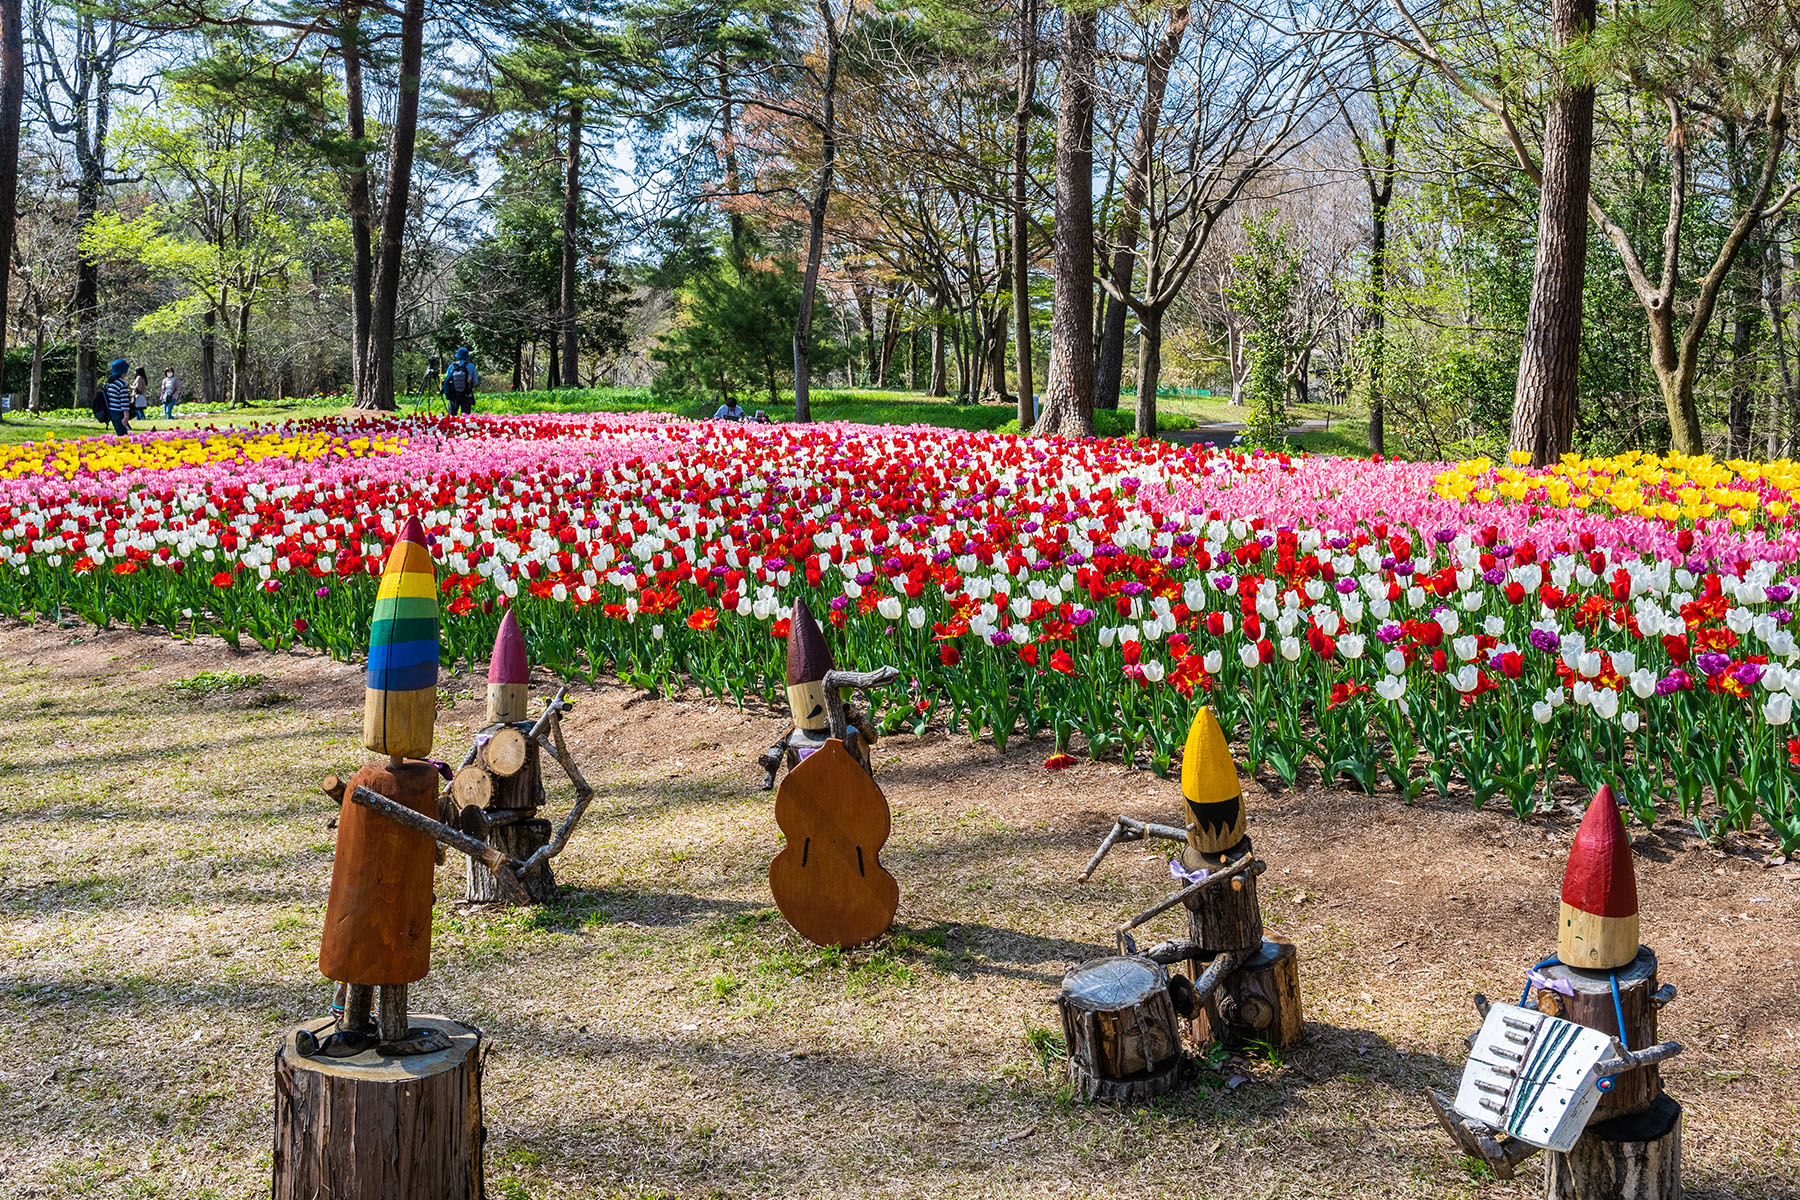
1244,987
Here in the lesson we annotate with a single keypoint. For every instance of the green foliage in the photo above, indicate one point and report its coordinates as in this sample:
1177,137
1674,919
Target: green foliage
1264,277
1120,422
734,333
214,683
58,386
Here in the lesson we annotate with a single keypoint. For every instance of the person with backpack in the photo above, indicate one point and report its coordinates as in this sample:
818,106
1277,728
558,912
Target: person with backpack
460,381
114,400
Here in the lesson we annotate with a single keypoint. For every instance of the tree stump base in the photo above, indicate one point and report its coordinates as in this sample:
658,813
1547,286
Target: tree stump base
518,839
1592,1005
1121,1026
1635,1157
1259,1001
372,1127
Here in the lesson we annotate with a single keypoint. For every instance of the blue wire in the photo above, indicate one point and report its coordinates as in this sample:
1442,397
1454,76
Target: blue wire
1618,1009
1548,962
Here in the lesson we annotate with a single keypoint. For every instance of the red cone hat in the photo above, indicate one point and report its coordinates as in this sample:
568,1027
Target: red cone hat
509,674
1599,925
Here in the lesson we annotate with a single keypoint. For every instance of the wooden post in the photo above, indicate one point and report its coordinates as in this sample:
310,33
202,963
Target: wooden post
1592,1005
1227,917
373,1127
1635,1157
1119,1019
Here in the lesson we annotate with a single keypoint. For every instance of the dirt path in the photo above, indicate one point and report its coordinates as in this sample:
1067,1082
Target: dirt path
660,1031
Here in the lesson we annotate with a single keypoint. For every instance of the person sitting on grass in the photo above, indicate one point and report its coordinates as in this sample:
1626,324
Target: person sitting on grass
731,410
118,397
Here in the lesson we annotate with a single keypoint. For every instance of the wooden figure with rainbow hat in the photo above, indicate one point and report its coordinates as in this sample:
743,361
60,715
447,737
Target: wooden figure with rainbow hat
1246,987
378,917
1572,1068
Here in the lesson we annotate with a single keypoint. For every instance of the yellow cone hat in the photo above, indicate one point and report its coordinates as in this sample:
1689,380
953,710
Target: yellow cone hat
1209,782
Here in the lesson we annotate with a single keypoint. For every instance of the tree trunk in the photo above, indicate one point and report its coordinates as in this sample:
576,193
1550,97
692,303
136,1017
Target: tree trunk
1746,300
1026,83
362,265
35,398
94,86
815,239
865,312
1069,397
1637,1157
1378,326
240,358
1774,297
553,349
384,310
209,359
1149,370
1674,365
890,340
1550,361
568,318
1111,366
12,98
1121,1027
940,380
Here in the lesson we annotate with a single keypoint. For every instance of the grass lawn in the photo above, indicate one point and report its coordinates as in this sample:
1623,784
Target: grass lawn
658,1030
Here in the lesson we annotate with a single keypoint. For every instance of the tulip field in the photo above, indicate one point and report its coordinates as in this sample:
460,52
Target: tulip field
1475,628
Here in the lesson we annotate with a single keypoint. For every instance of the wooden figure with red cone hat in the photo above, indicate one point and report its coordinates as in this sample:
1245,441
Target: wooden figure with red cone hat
1572,1068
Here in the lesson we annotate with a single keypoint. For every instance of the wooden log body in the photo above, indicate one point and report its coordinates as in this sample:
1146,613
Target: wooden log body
515,839
1260,1000
523,785
1592,1005
373,1127
1122,1029
378,916
1634,1157
1227,917
503,750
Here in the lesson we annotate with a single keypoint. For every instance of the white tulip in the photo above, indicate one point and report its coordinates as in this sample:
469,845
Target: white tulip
1248,656
1643,683
1466,647
1390,687
1606,703
1778,709
1351,645
890,607
1154,670
1290,649
1631,721
1395,662
1540,712
1624,661
1213,662
915,616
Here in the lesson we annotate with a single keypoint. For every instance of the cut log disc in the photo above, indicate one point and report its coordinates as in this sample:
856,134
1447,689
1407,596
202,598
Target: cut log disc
473,787
504,753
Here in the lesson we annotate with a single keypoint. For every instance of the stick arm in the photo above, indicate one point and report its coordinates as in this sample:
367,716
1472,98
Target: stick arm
1125,829
502,866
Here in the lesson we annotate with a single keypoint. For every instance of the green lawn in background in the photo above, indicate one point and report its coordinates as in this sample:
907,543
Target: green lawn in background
1348,433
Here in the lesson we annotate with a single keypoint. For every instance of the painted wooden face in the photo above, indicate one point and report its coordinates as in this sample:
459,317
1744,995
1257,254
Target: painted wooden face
807,702
1219,823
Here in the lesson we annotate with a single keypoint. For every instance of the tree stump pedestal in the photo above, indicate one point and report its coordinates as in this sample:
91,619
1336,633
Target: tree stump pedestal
1634,1157
1631,1150
375,1126
1119,1018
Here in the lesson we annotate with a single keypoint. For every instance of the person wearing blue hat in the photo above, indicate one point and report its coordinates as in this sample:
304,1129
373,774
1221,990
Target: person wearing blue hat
460,380
118,396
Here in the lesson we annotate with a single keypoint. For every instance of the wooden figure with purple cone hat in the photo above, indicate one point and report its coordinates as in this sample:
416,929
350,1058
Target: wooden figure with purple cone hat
499,787
815,696
1572,1068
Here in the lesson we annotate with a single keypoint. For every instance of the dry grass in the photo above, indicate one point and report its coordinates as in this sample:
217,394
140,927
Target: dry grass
660,1031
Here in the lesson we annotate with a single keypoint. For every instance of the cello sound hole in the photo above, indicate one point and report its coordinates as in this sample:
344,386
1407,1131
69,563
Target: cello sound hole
859,862
804,849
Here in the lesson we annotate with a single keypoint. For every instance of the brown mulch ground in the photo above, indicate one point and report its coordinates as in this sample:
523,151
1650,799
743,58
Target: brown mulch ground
660,1031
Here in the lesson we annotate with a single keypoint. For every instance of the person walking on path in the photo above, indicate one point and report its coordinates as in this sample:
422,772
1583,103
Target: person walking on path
460,381
171,393
140,393
118,397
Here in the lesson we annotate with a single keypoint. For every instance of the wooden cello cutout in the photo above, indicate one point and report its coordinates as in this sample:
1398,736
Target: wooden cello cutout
828,880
